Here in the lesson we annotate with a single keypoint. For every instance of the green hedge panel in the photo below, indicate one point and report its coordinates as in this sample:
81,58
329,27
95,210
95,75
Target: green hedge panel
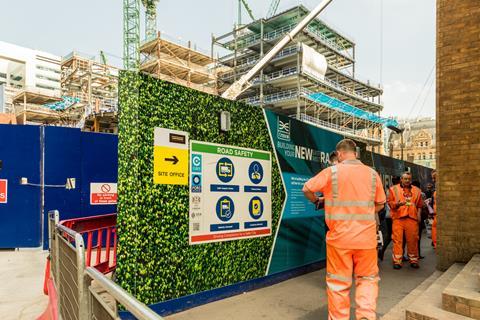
154,260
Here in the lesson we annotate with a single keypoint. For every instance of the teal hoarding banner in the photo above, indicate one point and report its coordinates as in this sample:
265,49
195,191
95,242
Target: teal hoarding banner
302,151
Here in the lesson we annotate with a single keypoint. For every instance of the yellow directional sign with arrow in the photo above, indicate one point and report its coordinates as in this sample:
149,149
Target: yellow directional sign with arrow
170,157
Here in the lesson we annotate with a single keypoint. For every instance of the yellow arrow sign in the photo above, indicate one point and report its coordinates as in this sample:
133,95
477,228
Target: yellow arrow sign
170,157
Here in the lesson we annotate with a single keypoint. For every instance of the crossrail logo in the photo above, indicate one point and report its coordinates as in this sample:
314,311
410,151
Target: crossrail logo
283,130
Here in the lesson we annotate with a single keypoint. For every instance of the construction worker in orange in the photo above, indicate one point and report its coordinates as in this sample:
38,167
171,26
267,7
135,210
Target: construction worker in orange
406,204
434,224
353,195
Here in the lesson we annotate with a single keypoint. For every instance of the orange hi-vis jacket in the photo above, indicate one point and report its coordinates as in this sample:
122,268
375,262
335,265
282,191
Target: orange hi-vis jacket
412,196
351,190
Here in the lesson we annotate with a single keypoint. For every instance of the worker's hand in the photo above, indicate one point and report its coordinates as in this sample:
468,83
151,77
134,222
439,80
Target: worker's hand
400,203
320,203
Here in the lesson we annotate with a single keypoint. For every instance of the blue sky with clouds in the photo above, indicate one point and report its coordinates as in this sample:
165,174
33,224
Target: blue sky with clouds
60,26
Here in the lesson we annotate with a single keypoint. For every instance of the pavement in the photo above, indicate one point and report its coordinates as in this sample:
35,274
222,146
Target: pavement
304,297
300,298
21,284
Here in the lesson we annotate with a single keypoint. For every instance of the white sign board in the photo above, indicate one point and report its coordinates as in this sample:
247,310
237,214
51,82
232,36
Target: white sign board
103,193
230,193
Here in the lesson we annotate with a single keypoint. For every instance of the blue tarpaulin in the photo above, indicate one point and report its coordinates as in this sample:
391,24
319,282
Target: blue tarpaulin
338,105
62,105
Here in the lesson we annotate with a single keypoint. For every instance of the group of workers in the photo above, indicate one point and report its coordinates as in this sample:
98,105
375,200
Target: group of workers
353,196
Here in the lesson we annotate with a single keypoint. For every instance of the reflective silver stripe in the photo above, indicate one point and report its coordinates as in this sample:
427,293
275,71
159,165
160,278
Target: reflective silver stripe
369,278
335,182
374,184
395,191
350,217
338,287
339,277
340,203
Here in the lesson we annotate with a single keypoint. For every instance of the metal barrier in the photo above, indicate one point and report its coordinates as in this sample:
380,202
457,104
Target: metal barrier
79,286
98,230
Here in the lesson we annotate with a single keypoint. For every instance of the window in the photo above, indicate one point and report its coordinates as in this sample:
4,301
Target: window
41,86
426,143
421,144
431,155
424,156
3,75
39,67
39,76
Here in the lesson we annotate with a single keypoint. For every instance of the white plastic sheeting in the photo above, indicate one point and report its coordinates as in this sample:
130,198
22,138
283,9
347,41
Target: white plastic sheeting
313,63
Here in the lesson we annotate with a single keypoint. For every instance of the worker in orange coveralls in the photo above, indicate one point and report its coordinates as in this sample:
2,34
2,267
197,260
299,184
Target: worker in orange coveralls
405,202
434,225
353,196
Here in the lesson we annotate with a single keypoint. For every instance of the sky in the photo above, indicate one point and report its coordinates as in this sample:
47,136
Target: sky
395,38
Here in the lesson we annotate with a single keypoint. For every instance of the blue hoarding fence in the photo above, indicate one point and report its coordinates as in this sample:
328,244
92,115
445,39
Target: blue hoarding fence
46,168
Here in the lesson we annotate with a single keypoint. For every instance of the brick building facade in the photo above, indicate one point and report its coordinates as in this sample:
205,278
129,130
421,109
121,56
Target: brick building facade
419,141
458,130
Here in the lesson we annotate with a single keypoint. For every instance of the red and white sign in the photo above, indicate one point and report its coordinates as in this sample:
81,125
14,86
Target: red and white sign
3,190
103,193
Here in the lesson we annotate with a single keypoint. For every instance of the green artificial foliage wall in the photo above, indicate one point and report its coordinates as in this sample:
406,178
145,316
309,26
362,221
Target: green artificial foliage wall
154,260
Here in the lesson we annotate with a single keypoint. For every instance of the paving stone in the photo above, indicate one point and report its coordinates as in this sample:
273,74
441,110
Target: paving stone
398,311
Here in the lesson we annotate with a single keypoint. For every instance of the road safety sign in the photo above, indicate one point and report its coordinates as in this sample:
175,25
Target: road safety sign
3,190
103,193
170,157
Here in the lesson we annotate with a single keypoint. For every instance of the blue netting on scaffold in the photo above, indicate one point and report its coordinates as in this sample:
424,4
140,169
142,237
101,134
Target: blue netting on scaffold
66,103
338,105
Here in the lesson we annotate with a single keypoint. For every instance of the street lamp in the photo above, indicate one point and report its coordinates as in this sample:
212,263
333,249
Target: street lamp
398,131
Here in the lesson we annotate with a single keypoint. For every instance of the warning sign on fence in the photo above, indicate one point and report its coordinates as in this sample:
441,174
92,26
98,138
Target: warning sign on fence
103,193
3,190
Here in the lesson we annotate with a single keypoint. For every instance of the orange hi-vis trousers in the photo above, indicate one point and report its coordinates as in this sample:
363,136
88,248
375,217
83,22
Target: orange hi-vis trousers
341,265
434,232
409,227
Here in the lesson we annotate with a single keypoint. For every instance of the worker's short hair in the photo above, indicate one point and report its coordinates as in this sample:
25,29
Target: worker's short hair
347,145
333,156
408,173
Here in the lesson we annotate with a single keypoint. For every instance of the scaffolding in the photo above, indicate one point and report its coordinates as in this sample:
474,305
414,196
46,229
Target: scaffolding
284,85
94,87
28,105
178,63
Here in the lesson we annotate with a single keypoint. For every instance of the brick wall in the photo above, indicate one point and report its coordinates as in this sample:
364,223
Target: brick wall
458,130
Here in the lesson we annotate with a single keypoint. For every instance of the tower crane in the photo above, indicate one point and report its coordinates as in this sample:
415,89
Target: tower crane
244,3
273,8
131,34
150,18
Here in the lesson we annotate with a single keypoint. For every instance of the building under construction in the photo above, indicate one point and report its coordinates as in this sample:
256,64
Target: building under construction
40,88
91,88
178,62
312,78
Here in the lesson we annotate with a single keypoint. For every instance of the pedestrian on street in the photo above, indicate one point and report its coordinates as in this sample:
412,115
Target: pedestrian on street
406,205
353,196
424,216
434,225
387,237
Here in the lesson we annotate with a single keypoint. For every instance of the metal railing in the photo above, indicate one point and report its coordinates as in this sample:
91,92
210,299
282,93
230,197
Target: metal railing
251,39
287,72
78,286
359,133
253,59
